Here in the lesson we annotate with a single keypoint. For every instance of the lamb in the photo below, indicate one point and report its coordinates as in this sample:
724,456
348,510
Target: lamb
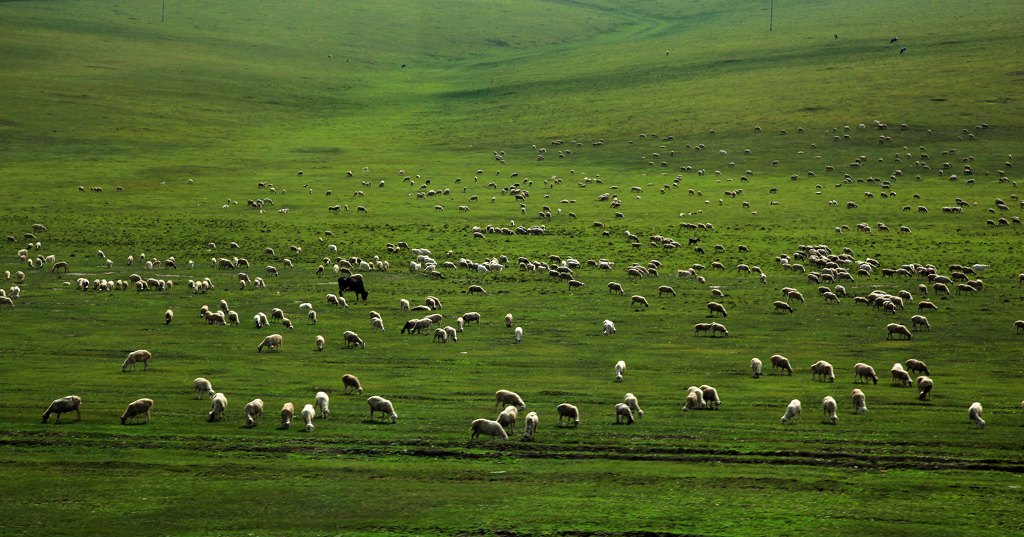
862,371
507,418
140,355
272,342
896,328
168,316
453,335
287,323
781,362
900,377
287,413
489,427
403,304
633,404
506,397
609,327
307,416
620,368
253,412
440,335
383,406
218,404
919,320
202,386
353,340
714,307
518,334
260,319
824,370
917,366
792,412
637,299
322,404
924,387
622,411
377,323
755,367
137,408
569,412
337,300
351,383
828,405
860,405
710,395
699,393
62,405
319,341
531,426
974,414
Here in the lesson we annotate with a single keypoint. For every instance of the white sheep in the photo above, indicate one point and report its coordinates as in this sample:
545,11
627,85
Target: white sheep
899,329
828,405
633,404
62,405
860,405
140,355
137,408
287,414
974,414
622,411
488,427
755,367
337,300
469,317
307,416
253,412
531,426
823,370
700,396
168,316
924,387
218,405
518,334
351,383
506,397
620,368
453,335
792,412
508,320
900,377
638,300
864,372
609,327
507,418
691,402
404,305
569,412
312,316
202,386
386,409
272,342
781,362
261,320
353,340
319,341
377,323
287,323
710,395
322,403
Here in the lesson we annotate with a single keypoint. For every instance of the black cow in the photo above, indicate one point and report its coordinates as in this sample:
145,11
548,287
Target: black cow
354,284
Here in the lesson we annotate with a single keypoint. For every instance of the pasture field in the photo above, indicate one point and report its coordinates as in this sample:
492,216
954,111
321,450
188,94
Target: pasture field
135,137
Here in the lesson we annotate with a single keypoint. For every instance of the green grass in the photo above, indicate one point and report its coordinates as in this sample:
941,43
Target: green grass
189,115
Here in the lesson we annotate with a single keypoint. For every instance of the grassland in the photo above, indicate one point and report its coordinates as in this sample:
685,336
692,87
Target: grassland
188,115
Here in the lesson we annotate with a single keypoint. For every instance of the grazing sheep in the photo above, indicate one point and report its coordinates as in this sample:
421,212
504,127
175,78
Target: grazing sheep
470,317
924,387
919,320
518,334
699,393
505,397
507,418
780,305
272,342
476,289
1019,325
615,287
828,405
666,289
353,340
569,412
692,402
719,328
307,416
860,405
633,404
453,335
637,299
377,323
974,414
62,405
900,377
781,362
383,406
319,341
862,371
287,323
488,427
925,305
609,327
440,335
531,426
755,367
322,402
351,383
792,412
710,395
896,328
620,368
137,408
287,413
715,307
218,404
168,316
508,320
140,355
312,316
622,411
917,366
253,412
337,300
202,387
823,370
